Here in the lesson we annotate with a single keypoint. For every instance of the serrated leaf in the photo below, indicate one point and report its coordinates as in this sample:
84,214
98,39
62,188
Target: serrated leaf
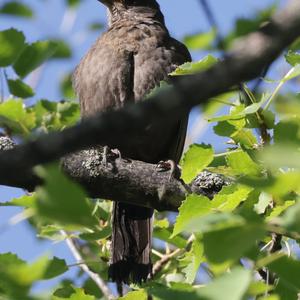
19,89
195,67
194,258
16,9
33,56
195,160
230,197
193,206
241,163
27,201
62,200
12,44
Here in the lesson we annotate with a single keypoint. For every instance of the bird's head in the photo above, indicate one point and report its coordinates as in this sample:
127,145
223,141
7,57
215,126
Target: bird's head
129,3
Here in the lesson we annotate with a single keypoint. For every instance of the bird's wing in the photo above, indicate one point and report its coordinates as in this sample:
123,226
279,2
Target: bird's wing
104,79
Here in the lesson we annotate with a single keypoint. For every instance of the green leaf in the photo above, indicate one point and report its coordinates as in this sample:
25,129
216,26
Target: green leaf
224,128
245,137
62,200
17,9
235,241
193,206
66,87
200,40
78,294
195,67
230,286
55,267
97,235
194,258
241,163
33,56
291,218
279,209
195,160
27,201
165,234
140,295
293,58
281,156
264,201
56,116
63,49
20,89
14,116
230,197
96,26
258,288
12,44
288,271
72,3
286,132
176,291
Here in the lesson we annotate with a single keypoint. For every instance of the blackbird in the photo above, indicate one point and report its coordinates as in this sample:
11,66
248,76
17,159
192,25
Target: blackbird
128,61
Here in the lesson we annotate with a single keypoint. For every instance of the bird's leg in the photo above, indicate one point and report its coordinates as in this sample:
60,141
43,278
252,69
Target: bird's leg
171,166
108,153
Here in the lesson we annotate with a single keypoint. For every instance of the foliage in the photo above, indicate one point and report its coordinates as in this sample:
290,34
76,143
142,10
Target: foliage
230,238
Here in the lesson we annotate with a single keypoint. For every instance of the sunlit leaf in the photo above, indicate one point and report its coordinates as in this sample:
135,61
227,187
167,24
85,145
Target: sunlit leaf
194,67
195,160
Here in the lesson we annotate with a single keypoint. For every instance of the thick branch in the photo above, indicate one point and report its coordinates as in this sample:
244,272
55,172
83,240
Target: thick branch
122,179
245,62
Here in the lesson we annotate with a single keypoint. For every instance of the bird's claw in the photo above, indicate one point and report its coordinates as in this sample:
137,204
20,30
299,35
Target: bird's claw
108,154
171,166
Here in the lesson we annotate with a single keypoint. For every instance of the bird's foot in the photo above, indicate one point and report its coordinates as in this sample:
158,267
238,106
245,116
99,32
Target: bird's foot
108,154
171,166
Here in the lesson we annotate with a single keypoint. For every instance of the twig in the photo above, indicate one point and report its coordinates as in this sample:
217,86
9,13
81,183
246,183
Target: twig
167,257
213,23
95,277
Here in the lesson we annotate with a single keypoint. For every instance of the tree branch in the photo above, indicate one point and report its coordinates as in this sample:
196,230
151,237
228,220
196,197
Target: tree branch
95,277
246,61
123,179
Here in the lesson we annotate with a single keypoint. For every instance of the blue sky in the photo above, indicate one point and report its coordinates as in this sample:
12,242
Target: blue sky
182,17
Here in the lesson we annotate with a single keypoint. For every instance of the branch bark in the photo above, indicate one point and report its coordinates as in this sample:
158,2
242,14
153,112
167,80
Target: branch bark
123,179
246,61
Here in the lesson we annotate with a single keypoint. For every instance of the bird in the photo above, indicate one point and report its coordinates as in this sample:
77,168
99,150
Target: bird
130,59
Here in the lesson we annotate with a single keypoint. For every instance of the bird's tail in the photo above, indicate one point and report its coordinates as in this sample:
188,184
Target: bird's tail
131,243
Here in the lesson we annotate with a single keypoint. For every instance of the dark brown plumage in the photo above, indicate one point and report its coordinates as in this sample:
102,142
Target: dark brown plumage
123,66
